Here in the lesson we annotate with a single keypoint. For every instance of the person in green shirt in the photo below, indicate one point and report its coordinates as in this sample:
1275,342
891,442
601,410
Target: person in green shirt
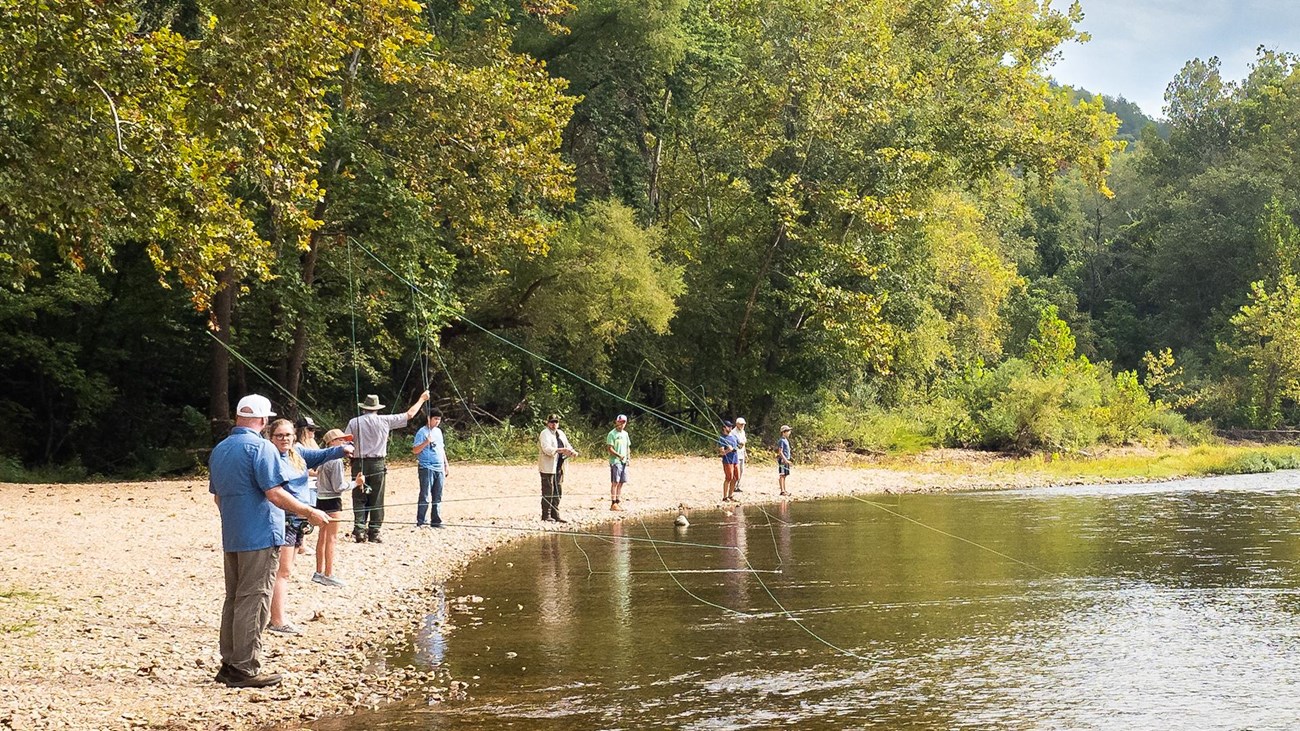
619,446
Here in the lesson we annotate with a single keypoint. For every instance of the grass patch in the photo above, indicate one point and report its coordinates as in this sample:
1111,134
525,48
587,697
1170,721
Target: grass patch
21,594
11,470
25,599
1157,465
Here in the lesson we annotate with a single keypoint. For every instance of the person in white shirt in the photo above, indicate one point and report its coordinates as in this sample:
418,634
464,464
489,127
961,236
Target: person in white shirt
741,438
370,435
552,449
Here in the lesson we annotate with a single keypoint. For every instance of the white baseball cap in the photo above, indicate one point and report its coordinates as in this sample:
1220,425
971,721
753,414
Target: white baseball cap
253,406
740,421
621,417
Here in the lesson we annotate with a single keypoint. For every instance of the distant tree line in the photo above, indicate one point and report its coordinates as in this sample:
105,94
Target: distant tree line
877,219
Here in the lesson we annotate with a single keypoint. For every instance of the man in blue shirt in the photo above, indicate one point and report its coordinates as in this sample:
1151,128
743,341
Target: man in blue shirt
247,482
432,458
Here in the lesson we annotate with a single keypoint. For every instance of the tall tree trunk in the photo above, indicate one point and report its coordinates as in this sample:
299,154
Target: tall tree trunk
298,349
223,305
656,163
742,330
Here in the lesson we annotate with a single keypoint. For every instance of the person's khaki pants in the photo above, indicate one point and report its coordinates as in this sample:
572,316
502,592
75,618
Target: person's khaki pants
247,609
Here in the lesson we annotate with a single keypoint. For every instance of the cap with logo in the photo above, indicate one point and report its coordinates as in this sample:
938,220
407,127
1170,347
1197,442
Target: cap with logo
621,417
305,422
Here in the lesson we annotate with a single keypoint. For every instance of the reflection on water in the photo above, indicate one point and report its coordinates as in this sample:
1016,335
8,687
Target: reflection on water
1146,606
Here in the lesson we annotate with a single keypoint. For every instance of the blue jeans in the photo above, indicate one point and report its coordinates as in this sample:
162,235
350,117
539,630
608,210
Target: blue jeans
431,482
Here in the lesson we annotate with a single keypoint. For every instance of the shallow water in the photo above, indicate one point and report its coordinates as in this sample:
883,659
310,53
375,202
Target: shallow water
1133,607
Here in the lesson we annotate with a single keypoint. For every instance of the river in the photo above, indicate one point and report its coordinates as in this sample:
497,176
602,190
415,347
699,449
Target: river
1169,605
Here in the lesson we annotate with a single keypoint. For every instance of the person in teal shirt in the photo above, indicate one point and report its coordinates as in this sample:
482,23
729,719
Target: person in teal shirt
619,445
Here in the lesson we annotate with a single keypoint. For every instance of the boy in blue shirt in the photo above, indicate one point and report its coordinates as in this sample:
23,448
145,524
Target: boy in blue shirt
432,457
783,462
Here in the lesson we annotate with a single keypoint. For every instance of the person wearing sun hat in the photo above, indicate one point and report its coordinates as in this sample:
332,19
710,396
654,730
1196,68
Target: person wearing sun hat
619,446
329,497
370,434
552,449
741,440
248,482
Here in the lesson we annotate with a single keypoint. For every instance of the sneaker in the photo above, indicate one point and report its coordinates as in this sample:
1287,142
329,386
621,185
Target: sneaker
331,581
320,578
436,525
374,538
284,629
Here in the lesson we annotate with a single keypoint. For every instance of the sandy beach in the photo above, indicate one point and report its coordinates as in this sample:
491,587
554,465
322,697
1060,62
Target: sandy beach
110,593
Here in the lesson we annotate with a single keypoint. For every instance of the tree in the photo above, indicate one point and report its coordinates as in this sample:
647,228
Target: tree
1266,337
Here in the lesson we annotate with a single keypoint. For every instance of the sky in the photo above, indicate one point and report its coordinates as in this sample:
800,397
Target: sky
1138,46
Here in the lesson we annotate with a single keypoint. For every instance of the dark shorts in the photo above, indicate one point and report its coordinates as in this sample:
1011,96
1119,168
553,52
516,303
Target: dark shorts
618,472
294,529
783,469
330,504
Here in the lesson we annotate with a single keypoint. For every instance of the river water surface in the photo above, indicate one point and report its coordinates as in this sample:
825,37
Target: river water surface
1101,607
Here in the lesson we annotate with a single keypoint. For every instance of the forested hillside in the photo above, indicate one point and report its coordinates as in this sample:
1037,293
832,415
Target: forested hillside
878,220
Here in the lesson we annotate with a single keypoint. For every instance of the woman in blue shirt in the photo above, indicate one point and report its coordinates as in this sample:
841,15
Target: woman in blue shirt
729,450
295,460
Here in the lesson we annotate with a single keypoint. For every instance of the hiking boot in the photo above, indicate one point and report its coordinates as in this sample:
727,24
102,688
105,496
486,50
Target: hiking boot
224,674
237,679
558,519
374,538
358,536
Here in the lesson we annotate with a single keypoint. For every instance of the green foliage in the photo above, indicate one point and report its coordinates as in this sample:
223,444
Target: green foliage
1255,463
1053,345
866,430
1021,407
755,206
1266,342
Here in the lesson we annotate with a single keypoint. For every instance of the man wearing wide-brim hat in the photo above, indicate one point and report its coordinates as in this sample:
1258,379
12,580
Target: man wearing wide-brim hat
552,449
370,436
